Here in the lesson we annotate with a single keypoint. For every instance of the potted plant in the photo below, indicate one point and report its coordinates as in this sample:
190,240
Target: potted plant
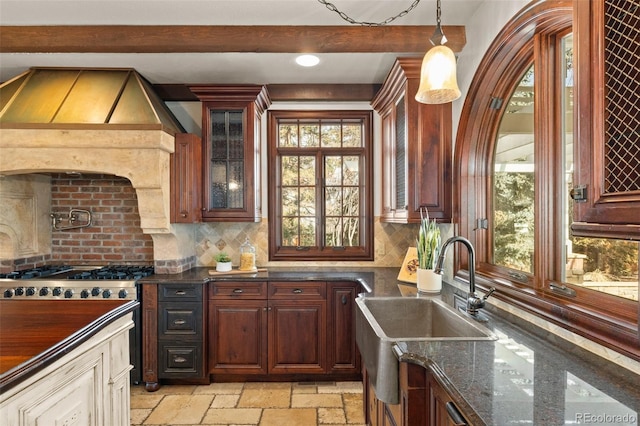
428,248
223,262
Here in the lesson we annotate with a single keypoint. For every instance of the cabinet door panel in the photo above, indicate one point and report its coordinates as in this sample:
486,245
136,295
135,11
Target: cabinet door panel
297,337
343,351
186,178
238,336
607,161
442,409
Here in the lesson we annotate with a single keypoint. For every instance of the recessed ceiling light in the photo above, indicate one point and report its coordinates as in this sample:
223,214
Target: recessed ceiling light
307,60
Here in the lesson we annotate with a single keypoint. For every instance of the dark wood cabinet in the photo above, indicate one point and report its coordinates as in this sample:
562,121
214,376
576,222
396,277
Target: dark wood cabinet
238,328
343,353
297,327
186,179
282,328
607,162
173,318
423,401
442,409
416,148
249,330
231,129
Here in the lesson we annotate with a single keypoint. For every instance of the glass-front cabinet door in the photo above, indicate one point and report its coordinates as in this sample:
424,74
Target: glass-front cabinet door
231,121
227,160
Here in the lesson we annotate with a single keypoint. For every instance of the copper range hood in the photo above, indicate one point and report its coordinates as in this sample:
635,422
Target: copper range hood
94,121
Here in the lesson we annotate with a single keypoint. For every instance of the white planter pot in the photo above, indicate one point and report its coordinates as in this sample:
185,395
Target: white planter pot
429,281
223,266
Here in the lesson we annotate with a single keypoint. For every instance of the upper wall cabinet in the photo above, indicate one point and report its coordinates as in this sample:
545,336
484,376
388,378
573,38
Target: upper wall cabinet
186,179
607,76
416,148
231,122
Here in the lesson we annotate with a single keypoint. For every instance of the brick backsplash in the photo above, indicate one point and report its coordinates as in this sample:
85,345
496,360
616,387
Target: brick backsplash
114,236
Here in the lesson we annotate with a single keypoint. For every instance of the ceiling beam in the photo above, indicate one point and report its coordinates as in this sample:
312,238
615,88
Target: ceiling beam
232,38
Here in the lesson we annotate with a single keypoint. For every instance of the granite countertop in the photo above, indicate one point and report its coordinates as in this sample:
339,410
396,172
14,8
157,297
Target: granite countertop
527,376
375,281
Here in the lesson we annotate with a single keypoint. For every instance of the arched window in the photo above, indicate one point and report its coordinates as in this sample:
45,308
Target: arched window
514,167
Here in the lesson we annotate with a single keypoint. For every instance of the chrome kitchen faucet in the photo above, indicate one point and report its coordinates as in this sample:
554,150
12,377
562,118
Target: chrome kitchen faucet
474,302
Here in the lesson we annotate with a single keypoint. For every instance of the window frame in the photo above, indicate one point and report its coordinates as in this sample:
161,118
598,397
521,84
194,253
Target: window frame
277,252
528,37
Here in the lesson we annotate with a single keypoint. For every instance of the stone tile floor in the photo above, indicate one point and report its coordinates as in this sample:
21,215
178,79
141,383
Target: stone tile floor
264,404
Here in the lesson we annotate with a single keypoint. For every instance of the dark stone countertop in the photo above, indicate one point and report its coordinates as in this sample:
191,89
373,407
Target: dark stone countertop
375,281
527,376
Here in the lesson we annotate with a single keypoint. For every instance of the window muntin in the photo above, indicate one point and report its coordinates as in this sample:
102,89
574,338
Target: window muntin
322,186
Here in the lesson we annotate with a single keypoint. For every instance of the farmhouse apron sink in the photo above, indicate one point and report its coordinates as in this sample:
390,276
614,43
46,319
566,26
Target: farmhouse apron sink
382,321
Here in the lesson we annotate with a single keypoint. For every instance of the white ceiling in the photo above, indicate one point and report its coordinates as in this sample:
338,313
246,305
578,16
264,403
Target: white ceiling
222,68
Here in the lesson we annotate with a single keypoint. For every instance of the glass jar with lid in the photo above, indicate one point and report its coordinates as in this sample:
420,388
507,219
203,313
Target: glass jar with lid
247,256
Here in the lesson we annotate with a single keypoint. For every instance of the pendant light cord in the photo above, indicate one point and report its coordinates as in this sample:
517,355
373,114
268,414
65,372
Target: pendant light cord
350,20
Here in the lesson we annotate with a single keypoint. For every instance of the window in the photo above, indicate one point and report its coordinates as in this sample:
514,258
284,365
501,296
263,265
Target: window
515,163
320,185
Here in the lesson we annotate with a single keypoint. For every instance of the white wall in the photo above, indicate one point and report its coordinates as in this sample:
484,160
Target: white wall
487,21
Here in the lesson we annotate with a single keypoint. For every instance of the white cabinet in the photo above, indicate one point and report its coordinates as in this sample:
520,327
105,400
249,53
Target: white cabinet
88,386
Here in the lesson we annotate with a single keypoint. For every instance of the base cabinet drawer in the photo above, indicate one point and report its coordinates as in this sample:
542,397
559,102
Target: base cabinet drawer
181,359
184,320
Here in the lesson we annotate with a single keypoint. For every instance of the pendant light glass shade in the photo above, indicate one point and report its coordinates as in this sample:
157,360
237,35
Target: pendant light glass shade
438,81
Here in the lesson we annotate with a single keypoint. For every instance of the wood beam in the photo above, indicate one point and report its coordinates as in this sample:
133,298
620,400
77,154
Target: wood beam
231,38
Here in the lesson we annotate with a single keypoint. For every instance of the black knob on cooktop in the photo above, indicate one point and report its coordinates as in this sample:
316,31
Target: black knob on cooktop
19,291
123,294
8,292
106,294
57,291
44,291
84,294
68,294
31,291
96,291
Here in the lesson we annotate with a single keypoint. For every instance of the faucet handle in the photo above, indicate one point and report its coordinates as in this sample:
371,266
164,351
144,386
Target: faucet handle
489,293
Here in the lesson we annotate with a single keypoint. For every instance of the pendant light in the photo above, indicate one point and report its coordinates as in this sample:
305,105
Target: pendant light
438,82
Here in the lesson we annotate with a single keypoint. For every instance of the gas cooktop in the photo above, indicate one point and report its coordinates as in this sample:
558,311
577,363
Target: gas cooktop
67,272
69,282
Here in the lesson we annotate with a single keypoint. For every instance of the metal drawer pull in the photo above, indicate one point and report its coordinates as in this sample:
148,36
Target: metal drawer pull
297,290
179,359
344,300
180,292
179,322
455,415
238,290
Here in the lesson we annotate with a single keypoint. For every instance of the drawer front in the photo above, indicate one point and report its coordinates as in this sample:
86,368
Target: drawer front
183,320
297,290
186,292
181,360
238,290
